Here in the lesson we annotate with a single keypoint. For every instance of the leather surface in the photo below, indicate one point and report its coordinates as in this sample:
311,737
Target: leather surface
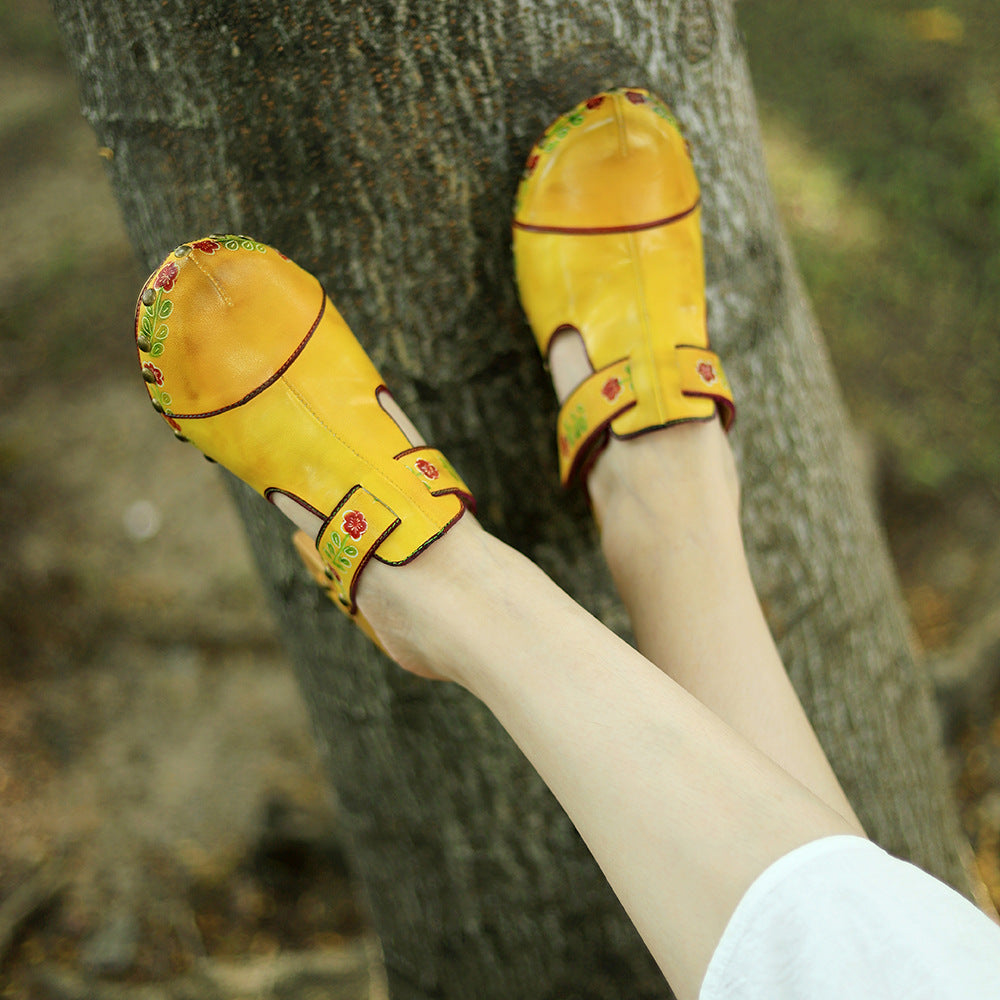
621,162
607,240
254,365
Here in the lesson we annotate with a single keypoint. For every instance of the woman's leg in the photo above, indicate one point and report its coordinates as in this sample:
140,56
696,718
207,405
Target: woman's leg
668,506
681,813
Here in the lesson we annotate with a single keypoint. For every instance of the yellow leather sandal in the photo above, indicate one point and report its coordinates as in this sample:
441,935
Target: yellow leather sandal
607,242
245,356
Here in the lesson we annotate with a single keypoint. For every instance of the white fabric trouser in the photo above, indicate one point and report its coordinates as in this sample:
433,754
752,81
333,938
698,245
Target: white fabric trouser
839,919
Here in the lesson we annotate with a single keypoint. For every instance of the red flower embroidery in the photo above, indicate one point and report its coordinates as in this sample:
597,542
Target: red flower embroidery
563,444
707,372
430,471
206,246
595,102
635,97
154,371
355,524
165,279
610,389
532,162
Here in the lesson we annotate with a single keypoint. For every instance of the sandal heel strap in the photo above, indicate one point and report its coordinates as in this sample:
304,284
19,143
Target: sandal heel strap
702,374
587,412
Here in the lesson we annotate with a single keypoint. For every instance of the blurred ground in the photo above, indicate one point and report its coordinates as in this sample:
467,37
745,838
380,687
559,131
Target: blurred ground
162,807
163,814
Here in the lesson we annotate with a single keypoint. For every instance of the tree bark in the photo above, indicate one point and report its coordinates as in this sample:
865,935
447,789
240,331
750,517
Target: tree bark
379,145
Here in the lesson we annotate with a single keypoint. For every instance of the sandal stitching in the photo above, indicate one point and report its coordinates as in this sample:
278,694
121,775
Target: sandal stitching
279,374
218,288
427,514
632,227
271,490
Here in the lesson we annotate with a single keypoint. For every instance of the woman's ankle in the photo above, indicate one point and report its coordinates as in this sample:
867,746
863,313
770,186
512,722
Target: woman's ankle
674,475
416,609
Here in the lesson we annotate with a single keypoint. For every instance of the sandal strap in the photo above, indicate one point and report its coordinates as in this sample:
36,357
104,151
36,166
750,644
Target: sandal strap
702,374
361,522
349,538
306,549
587,412
434,470
586,415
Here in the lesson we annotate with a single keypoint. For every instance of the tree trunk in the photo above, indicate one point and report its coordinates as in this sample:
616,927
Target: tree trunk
379,145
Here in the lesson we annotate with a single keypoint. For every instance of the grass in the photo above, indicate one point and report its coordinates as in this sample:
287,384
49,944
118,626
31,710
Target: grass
884,120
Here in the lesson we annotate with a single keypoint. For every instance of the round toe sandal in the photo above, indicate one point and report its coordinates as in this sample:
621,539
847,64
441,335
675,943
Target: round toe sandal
607,243
245,356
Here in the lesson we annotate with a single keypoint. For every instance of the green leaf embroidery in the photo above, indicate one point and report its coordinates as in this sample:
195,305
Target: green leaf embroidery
575,425
163,398
151,325
232,241
339,550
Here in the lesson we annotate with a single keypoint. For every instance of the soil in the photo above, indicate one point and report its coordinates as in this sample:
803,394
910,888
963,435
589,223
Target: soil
165,820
